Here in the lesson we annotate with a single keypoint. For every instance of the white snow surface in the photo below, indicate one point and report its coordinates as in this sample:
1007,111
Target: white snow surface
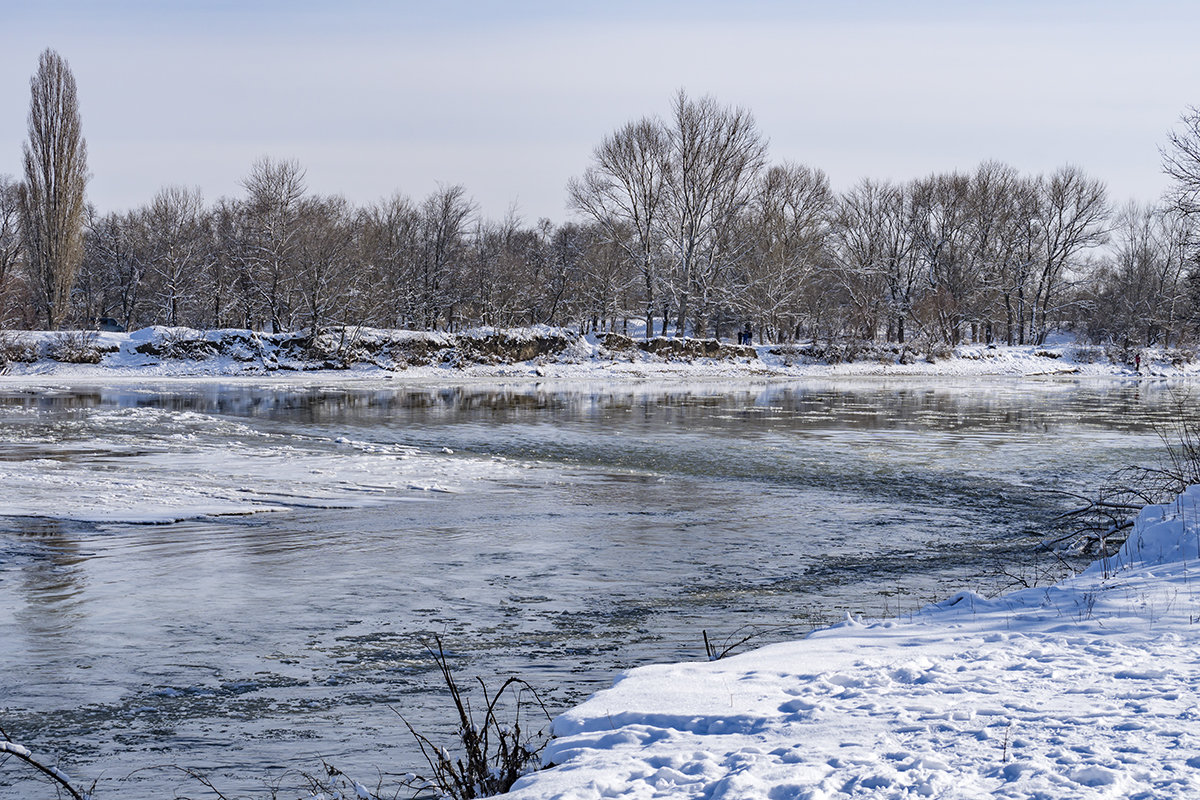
249,353
197,465
1084,689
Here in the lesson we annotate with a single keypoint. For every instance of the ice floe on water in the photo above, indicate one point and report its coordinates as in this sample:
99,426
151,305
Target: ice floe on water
151,465
1087,688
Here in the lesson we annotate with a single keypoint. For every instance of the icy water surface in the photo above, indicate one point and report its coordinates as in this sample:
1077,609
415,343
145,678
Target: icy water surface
239,578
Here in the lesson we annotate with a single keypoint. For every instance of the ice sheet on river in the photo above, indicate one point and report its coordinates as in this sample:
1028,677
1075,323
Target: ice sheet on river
1087,688
147,465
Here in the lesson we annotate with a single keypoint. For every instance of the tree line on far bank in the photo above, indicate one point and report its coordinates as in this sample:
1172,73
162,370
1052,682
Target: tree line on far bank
682,224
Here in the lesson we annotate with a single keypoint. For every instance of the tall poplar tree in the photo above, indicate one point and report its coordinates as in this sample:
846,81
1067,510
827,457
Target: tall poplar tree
52,195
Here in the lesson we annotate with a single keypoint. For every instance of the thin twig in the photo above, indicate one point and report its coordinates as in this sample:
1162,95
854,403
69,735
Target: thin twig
11,748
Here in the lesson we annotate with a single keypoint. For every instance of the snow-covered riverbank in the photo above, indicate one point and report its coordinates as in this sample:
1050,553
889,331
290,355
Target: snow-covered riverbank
1087,688
1081,689
537,352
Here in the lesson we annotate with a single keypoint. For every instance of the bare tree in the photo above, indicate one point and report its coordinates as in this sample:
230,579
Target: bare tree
568,245
443,230
1174,277
789,225
602,273
1073,219
274,190
522,279
176,237
992,227
1141,296
941,205
1005,234
52,194
1181,161
716,156
486,278
327,268
10,238
227,263
390,241
623,193
114,262
508,277
876,259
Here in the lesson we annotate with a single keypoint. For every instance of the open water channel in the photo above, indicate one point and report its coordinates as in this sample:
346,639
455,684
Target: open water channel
239,577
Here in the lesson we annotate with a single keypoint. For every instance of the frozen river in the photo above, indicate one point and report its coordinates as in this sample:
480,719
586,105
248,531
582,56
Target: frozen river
238,577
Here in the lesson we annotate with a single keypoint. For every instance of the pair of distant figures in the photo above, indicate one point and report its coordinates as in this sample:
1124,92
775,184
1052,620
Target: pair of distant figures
745,335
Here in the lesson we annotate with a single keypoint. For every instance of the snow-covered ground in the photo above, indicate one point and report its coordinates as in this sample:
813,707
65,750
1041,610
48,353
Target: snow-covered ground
169,352
1088,688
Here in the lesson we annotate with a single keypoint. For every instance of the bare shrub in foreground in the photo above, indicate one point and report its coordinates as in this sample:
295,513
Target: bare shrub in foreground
495,752
1100,524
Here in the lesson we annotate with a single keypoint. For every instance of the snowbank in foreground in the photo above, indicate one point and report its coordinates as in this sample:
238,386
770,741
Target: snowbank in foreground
536,351
1083,689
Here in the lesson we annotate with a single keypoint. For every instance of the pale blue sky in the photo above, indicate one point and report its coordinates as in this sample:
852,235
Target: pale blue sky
509,98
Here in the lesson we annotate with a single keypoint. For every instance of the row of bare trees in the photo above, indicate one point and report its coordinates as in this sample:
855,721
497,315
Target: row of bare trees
988,256
683,226
991,255
279,258
707,229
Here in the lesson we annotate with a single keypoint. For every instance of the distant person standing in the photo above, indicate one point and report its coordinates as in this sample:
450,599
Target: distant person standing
1137,363
747,335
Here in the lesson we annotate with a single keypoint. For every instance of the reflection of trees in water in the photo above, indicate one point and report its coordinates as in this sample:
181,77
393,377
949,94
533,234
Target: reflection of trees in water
867,403
50,400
